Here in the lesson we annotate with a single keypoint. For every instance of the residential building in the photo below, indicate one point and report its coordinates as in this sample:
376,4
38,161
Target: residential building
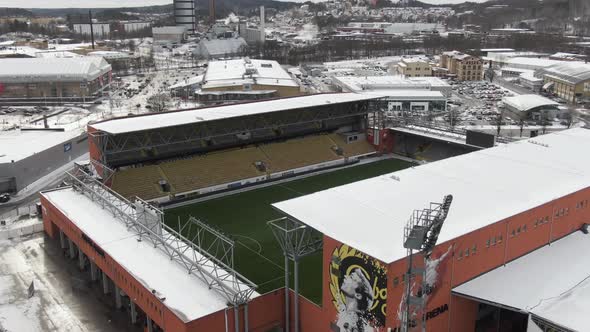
463,67
412,67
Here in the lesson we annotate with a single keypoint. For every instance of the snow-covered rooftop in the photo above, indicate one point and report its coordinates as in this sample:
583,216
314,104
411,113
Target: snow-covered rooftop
363,83
176,118
246,71
487,186
31,70
571,71
16,144
562,298
528,102
186,295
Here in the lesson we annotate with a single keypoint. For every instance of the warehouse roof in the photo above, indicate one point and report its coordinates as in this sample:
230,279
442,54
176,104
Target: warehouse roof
20,144
572,72
525,103
562,298
176,118
31,70
246,71
488,186
531,62
185,294
363,83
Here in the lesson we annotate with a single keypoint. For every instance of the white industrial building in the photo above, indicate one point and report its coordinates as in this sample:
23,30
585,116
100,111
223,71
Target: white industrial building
389,82
100,30
220,48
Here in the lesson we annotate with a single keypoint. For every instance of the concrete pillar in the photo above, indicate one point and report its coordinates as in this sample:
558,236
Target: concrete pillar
62,239
81,259
71,247
118,302
150,326
105,283
133,311
93,271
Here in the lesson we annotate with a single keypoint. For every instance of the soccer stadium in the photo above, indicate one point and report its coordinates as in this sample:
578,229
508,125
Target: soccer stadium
301,214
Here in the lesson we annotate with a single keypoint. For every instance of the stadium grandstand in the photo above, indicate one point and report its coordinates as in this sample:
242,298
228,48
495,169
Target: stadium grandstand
30,81
505,250
181,154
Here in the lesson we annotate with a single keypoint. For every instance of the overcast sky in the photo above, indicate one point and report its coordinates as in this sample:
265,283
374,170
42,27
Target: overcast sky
80,4
130,3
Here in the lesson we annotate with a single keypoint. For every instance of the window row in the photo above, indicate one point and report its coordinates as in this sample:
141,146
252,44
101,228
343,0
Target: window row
582,204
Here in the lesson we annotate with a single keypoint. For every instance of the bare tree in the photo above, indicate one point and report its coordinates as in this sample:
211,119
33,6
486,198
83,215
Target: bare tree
521,126
159,102
568,119
498,122
490,74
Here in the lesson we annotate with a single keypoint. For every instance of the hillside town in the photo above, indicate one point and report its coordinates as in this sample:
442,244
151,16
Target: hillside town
236,140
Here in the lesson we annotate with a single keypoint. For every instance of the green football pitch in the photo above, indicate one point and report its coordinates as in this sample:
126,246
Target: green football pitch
243,216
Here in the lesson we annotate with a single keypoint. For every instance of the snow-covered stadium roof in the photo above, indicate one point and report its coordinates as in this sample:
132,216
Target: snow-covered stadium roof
487,186
528,102
570,71
562,298
175,118
32,70
185,294
246,71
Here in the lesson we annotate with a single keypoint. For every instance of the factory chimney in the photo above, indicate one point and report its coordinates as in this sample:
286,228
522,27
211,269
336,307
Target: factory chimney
212,11
262,19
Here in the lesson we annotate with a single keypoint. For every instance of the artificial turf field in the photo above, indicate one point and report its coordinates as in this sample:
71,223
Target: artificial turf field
243,216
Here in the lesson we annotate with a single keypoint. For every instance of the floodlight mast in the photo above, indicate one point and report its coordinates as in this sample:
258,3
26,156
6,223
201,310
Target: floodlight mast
421,234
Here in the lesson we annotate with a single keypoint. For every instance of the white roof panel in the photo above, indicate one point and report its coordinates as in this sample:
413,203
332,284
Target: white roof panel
527,102
186,295
176,118
234,72
506,175
524,284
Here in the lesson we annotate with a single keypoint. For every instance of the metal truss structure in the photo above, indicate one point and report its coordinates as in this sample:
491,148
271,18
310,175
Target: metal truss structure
126,147
202,250
442,129
421,234
297,240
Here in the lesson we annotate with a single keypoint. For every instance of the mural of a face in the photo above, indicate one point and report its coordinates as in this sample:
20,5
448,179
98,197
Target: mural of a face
358,287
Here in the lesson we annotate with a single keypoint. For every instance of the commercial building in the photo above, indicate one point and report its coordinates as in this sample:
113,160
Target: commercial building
420,96
463,67
515,214
530,107
410,67
53,80
167,35
568,80
184,15
29,154
388,82
530,81
249,75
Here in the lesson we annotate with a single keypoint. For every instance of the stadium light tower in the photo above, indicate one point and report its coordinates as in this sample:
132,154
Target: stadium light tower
297,240
421,234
